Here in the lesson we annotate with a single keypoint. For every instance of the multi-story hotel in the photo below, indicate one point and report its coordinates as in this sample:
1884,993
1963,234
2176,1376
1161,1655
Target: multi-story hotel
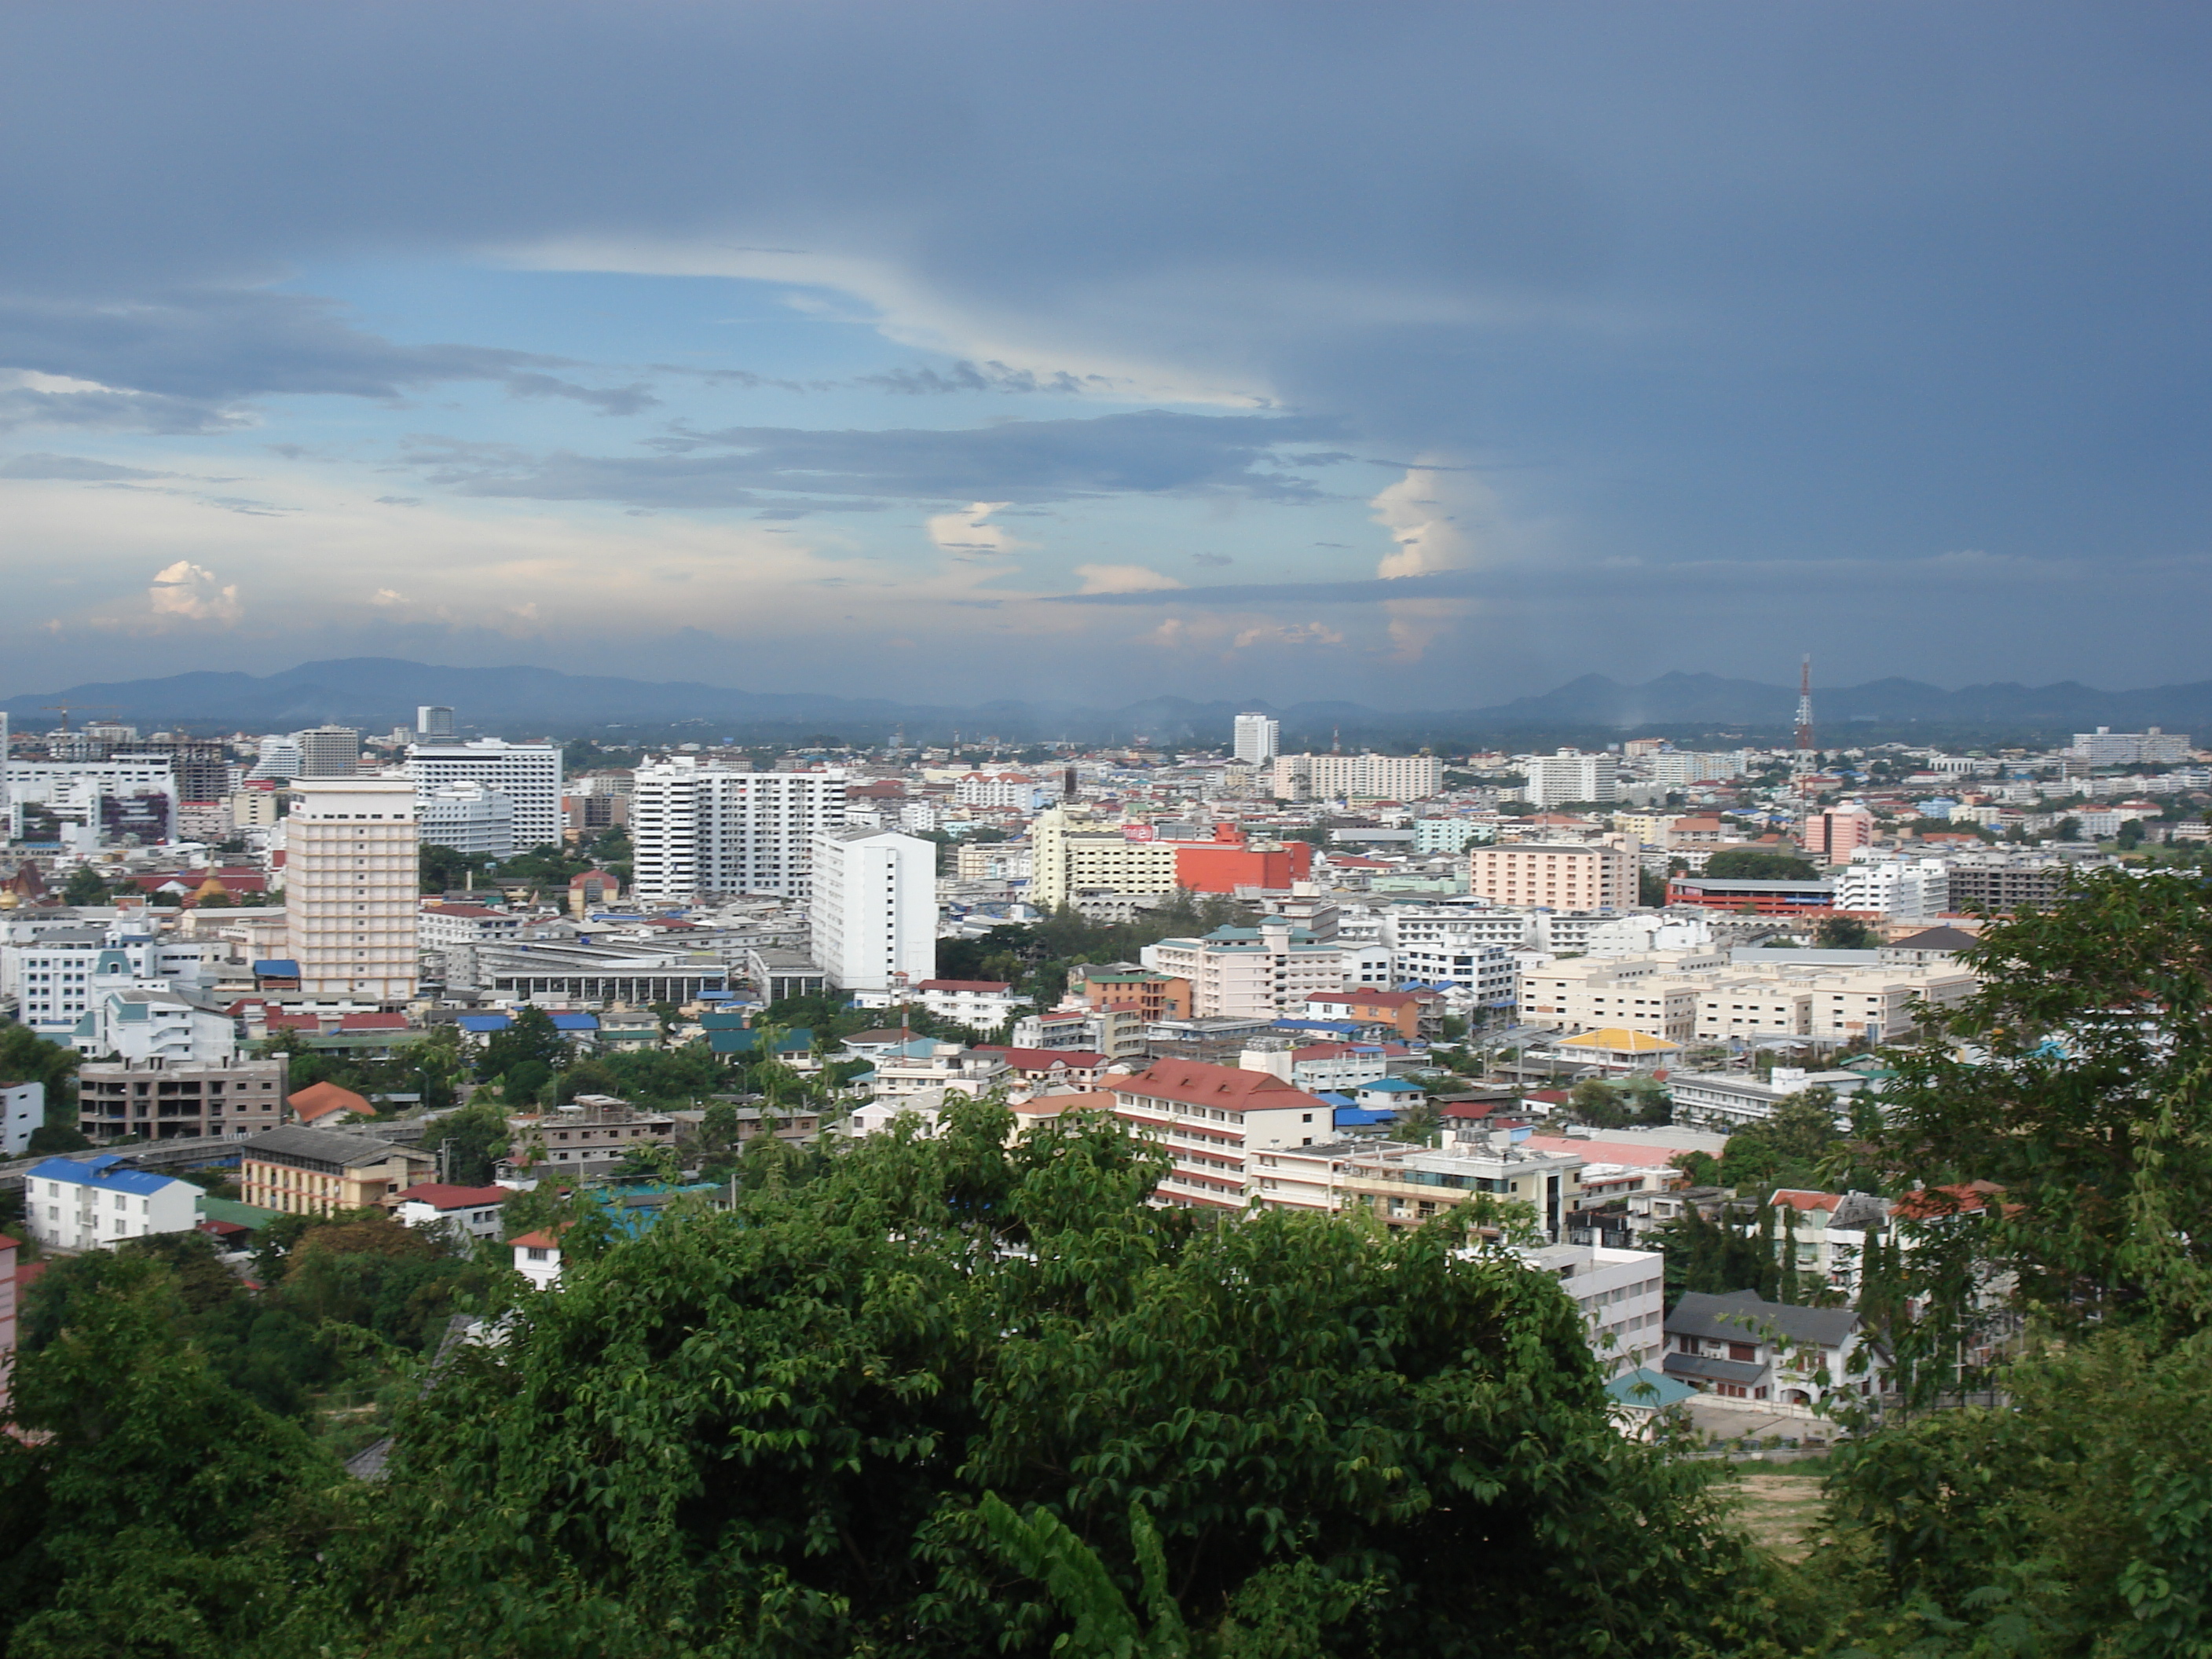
1557,875
699,828
351,876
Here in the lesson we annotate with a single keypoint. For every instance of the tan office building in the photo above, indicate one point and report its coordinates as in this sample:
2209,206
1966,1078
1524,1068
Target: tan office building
350,883
321,1171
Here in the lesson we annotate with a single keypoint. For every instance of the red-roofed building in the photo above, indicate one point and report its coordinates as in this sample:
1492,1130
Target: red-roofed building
537,1256
1220,1123
373,1022
473,1211
324,1105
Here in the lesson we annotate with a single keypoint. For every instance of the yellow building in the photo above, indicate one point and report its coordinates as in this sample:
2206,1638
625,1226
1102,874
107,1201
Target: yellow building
321,1171
1072,854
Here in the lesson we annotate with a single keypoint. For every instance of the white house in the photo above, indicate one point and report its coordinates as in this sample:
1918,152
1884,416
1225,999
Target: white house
1742,1347
94,1203
538,1258
436,1207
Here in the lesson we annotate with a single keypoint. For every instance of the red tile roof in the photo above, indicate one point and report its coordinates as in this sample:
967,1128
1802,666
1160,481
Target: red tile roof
442,1196
1040,1060
1194,1083
373,1022
319,1100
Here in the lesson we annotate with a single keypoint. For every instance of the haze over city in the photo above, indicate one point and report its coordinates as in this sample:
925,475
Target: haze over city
1422,356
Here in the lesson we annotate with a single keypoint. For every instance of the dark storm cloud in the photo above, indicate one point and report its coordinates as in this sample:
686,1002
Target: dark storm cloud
1863,280
1149,452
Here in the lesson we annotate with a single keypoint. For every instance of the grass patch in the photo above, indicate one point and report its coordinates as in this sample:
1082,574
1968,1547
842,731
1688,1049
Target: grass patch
1781,1506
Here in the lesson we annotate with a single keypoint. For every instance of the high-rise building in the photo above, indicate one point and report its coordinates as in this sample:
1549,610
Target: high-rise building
433,722
1071,854
1259,739
1371,777
699,827
470,818
1834,833
329,752
278,760
202,765
873,912
2106,747
527,774
1570,775
351,874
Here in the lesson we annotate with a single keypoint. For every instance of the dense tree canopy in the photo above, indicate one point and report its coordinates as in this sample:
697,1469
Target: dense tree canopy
890,1408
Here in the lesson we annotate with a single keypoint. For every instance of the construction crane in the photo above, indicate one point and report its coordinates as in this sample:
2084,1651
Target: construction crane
88,707
1805,707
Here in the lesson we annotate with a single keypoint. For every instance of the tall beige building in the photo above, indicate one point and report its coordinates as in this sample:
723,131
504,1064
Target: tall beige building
1072,854
351,878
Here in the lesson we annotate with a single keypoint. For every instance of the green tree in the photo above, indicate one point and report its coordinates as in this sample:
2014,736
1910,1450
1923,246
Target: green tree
530,1039
782,1431
469,1141
85,886
1756,863
149,1507
2073,1086
27,1057
1845,933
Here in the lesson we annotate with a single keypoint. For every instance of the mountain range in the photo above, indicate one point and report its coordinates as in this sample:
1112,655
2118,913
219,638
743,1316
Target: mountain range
380,693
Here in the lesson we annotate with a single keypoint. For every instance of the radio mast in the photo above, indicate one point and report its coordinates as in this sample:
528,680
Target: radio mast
1805,708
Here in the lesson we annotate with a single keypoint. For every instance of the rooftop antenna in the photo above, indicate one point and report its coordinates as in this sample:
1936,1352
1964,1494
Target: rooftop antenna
1336,740
1805,707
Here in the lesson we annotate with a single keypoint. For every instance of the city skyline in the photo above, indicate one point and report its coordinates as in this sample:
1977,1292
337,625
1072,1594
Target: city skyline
1422,358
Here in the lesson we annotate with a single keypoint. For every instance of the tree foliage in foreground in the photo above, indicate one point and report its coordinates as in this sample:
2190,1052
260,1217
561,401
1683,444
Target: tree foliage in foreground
913,1406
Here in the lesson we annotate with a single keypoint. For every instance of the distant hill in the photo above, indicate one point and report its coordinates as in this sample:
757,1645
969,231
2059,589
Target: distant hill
378,692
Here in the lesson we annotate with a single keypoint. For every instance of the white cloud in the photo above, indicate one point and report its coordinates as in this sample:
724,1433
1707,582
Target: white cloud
1438,517
1123,578
184,589
972,533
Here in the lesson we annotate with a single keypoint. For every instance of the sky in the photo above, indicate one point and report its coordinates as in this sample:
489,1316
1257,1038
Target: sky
1419,356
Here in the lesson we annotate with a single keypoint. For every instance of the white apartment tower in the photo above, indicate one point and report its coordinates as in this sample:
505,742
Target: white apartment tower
350,879
527,774
329,752
434,721
873,913
1554,780
1259,739
1373,777
699,827
468,817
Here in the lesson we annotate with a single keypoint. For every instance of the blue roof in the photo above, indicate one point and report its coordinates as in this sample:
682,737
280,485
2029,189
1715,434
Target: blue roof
485,1022
574,1022
276,968
1351,1117
1341,1027
100,1172
1392,1085
1649,1390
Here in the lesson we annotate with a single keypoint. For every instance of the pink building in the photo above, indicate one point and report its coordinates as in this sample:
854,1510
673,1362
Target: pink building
1831,832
